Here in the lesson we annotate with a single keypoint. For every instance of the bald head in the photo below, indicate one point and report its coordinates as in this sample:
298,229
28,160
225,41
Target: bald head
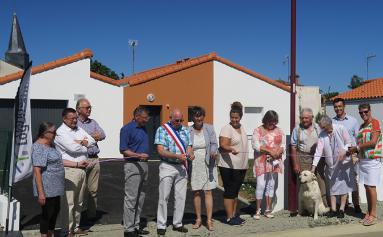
176,118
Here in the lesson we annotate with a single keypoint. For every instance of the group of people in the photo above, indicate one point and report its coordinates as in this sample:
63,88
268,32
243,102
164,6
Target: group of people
338,150
342,154
66,169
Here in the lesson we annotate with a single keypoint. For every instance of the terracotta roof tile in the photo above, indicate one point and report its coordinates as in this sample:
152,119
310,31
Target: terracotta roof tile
372,88
186,63
86,53
104,79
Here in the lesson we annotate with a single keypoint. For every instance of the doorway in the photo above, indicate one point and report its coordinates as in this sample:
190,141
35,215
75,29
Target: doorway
151,127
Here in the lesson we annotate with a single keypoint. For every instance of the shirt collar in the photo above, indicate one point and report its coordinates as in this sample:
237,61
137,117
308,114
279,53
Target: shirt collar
88,120
70,129
340,119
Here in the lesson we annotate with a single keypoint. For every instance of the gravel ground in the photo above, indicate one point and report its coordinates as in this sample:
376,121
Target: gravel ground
282,221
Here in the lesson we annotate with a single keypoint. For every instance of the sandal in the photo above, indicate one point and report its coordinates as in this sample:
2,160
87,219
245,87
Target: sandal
364,218
197,224
268,214
257,215
371,220
209,225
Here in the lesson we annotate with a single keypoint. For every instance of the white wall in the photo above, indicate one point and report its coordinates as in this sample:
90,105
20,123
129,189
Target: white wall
377,112
63,83
233,85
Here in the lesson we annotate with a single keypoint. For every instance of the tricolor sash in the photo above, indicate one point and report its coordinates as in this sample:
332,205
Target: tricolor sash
177,140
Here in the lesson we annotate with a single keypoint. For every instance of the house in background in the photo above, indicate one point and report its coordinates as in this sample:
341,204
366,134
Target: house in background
370,92
57,85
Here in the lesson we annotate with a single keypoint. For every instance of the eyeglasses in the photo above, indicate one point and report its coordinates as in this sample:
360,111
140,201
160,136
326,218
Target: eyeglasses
178,120
88,107
364,112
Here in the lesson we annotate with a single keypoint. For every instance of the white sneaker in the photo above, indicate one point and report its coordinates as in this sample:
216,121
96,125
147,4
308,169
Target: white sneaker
257,215
268,214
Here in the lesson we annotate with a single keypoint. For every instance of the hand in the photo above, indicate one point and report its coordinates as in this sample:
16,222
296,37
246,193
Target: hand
96,136
234,152
181,157
84,142
143,156
274,153
41,199
82,164
213,155
191,157
342,155
297,169
280,151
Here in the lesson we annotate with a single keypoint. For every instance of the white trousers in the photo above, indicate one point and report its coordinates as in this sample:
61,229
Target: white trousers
265,185
171,174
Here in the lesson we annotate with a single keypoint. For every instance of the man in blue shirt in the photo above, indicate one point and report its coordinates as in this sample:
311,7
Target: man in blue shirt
134,146
351,124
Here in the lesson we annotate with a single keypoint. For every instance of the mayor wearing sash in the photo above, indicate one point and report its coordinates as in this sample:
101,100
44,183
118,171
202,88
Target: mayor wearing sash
174,147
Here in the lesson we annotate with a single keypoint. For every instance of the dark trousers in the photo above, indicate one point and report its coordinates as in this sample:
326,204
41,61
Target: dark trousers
49,214
232,181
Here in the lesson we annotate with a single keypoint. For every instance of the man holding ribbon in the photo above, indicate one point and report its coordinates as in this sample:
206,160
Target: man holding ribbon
175,148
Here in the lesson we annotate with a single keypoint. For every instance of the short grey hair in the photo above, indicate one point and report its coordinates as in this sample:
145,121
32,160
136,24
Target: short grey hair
306,110
325,121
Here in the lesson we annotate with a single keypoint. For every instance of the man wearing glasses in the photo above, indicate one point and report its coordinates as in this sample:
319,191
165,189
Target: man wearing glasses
84,110
351,124
174,147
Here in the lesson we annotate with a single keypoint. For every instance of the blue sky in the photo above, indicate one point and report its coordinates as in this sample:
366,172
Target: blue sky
333,36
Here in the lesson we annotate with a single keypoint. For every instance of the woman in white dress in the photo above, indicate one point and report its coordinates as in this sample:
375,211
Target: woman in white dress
369,151
203,169
333,144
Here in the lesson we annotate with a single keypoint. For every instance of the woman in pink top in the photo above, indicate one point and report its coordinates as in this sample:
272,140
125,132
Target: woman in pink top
269,144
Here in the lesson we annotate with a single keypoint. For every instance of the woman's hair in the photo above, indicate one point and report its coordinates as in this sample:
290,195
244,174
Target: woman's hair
269,117
197,111
236,107
325,121
364,106
44,127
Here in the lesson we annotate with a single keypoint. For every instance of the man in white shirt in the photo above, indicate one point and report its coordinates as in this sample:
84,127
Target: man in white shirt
72,142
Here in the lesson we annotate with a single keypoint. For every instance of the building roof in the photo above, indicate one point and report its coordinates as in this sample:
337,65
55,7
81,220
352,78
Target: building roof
186,63
371,89
86,53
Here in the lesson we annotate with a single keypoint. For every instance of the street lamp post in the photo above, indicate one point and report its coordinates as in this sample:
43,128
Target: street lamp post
133,44
367,60
287,61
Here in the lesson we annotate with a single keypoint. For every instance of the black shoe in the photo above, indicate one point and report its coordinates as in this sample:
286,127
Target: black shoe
239,219
340,214
181,229
357,210
131,234
331,214
234,221
142,232
161,232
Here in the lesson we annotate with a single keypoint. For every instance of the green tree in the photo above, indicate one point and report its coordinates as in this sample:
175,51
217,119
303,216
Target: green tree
98,67
355,82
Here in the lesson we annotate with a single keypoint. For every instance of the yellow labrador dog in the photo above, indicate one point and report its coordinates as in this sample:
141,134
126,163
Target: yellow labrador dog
310,199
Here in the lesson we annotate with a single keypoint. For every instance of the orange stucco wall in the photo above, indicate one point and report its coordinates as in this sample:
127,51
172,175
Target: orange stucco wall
189,87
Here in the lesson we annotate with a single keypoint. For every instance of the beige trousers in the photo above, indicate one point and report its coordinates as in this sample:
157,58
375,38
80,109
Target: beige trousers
72,201
92,177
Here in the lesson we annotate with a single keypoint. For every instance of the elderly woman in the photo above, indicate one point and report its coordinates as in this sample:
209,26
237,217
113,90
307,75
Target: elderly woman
48,170
233,162
333,144
369,151
269,144
203,170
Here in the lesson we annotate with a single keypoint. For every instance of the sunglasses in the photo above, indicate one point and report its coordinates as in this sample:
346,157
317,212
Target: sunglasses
364,112
178,120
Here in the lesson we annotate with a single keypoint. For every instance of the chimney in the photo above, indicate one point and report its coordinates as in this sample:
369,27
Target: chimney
16,54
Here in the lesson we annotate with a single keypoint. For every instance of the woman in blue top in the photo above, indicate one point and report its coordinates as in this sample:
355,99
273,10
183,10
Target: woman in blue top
49,180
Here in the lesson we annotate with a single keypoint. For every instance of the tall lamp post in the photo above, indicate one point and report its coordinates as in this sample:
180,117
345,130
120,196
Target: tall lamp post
287,61
367,60
133,44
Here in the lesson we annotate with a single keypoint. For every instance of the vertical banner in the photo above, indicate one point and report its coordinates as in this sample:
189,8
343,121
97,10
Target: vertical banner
21,162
